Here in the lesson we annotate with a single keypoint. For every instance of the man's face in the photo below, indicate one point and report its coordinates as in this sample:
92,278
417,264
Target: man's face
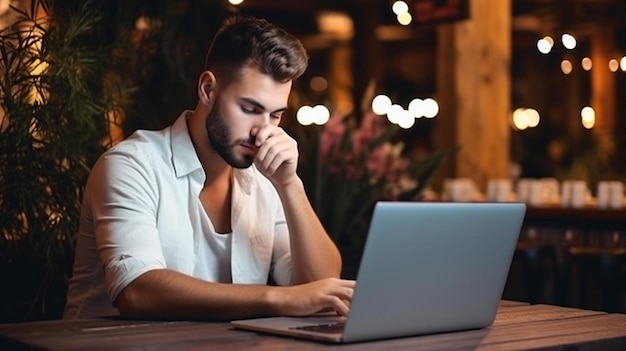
240,109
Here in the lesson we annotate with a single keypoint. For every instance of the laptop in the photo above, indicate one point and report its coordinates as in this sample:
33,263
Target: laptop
426,268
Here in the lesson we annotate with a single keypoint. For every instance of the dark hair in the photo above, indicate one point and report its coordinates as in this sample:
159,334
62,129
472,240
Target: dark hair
248,40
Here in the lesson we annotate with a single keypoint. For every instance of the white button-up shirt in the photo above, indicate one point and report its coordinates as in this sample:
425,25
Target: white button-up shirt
141,211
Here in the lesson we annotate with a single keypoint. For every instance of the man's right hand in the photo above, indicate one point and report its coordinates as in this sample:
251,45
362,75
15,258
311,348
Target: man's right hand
305,299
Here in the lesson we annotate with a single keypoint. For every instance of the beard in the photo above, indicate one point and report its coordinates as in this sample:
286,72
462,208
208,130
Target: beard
220,139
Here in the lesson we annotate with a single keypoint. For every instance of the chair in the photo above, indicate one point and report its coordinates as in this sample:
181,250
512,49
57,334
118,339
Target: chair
601,265
538,258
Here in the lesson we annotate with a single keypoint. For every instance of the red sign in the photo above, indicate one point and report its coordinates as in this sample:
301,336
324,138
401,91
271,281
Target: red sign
435,11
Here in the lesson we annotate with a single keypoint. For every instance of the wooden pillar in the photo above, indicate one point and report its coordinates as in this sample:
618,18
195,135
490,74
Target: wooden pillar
473,88
342,76
603,86
367,51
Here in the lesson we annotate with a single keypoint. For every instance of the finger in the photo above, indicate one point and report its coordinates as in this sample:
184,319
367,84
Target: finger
343,293
265,133
272,156
347,294
270,165
346,282
340,306
277,157
267,150
265,145
326,310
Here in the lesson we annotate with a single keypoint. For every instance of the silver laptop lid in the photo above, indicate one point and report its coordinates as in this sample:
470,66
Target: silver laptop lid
432,267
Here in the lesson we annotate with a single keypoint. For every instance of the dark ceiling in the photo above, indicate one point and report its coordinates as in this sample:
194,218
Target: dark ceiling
538,16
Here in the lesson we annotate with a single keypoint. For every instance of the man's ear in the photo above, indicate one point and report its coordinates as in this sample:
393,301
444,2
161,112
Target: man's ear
207,85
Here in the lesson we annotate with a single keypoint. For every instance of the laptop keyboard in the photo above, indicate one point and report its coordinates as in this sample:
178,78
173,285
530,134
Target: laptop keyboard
330,328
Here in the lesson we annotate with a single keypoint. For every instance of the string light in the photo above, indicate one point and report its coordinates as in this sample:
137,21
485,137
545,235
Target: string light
544,45
566,66
588,117
568,41
318,84
381,104
308,115
524,118
405,19
399,7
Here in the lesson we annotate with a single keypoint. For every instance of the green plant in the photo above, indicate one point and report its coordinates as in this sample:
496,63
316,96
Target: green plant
56,99
587,157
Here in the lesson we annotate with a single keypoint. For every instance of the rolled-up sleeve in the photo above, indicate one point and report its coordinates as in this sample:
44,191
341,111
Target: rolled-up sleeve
122,193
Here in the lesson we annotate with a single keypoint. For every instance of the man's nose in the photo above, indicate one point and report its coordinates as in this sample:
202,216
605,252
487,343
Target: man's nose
262,119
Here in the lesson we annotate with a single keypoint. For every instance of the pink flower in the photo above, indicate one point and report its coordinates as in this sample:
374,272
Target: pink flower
384,164
371,127
331,135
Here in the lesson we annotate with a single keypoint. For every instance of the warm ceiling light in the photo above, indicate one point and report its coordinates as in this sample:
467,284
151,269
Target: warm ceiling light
549,40
405,19
568,41
544,46
305,115
416,107
533,117
566,66
318,84
520,119
381,104
321,114
395,113
431,107
400,7
588,117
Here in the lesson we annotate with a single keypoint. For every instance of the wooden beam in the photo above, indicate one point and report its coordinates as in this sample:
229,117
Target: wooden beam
473,88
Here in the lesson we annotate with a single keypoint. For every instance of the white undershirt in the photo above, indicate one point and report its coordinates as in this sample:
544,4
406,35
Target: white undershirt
213,258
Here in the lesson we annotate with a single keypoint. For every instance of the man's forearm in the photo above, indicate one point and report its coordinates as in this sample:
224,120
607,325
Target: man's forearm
167,294
314,255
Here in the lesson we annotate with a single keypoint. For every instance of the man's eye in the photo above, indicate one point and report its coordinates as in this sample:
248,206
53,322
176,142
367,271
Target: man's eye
275,116
248,109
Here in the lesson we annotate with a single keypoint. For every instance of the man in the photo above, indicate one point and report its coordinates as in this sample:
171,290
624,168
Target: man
191,222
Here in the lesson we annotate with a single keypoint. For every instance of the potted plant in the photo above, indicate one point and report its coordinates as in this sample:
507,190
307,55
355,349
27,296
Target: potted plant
348,165
56,99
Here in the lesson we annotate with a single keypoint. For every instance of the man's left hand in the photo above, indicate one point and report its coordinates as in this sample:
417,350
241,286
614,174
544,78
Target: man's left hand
277,157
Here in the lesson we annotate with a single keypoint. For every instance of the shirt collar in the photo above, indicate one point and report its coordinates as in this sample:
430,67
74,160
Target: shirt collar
184,154
186,160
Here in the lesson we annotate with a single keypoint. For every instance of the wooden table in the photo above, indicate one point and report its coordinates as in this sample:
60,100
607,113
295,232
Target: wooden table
517,326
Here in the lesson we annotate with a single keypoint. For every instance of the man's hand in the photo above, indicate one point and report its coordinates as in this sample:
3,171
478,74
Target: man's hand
277,157
321,295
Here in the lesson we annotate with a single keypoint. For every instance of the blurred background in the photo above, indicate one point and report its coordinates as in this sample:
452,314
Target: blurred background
527,88
476,91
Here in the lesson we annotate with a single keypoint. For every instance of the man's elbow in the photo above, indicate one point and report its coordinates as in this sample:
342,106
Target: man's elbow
128,304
